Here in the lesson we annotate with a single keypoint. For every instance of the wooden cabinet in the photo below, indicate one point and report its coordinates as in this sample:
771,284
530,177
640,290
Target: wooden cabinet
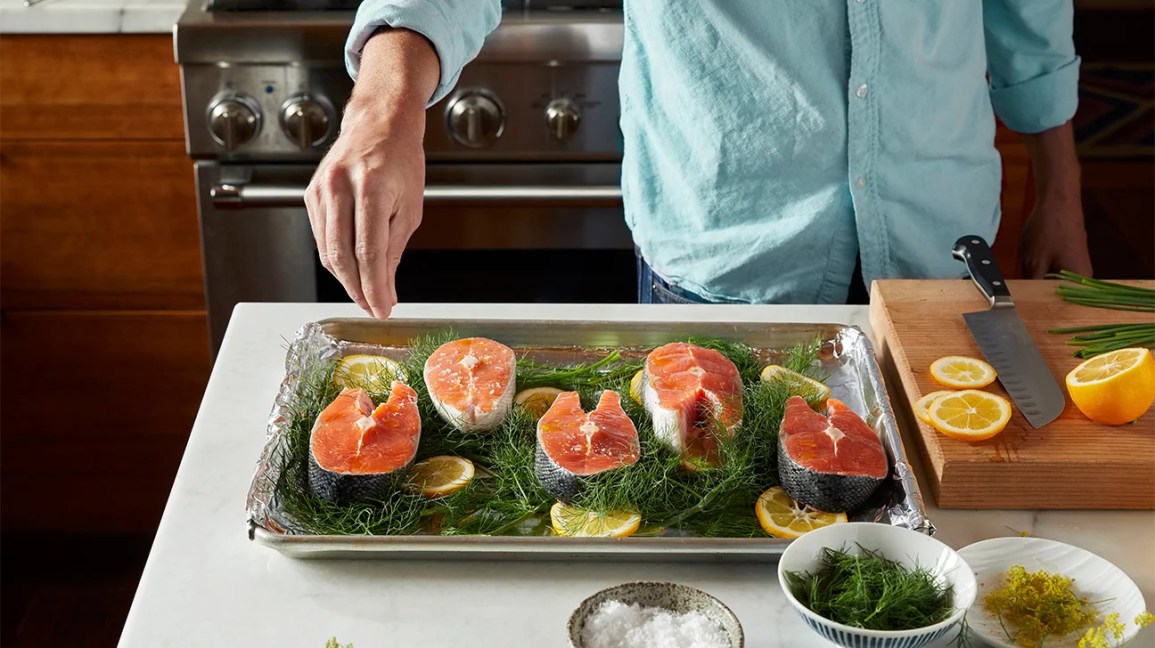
104,352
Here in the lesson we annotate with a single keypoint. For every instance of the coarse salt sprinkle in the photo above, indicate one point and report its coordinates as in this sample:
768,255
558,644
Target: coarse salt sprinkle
615,624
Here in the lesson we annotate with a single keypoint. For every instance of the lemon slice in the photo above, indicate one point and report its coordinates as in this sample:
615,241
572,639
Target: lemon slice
808,388
1114,388
440,475
374,373
970,415
636,387
782,517
921,405
960,372
579,523
536,400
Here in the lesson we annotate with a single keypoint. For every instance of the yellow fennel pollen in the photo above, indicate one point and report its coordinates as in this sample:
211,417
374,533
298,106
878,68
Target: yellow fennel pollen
1034,606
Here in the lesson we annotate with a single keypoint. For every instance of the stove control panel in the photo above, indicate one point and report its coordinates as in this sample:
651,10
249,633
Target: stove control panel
233,120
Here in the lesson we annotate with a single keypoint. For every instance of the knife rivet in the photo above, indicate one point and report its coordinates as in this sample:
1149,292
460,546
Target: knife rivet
998,283
986,261
975,241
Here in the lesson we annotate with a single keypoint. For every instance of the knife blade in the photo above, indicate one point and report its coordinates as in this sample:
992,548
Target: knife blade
1004,340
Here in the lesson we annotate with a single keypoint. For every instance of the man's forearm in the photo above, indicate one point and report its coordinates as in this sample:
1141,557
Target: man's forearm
399,72
1055,164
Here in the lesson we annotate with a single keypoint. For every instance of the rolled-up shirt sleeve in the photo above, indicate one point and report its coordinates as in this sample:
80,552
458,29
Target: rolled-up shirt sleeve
1034,72
456,28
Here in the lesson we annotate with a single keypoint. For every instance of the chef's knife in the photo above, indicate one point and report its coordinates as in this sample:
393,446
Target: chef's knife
1005,341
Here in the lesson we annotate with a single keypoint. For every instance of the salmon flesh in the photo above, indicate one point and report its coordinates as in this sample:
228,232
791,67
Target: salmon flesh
573,444
693,394
471,382
832,463
356,448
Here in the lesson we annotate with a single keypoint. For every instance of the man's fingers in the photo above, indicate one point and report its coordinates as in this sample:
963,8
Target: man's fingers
338,206
403,225
316,210
372,216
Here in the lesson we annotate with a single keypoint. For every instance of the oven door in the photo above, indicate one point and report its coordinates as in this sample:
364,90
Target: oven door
490,233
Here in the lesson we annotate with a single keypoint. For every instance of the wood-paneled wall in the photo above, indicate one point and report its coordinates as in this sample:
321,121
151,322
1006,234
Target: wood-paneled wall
104,350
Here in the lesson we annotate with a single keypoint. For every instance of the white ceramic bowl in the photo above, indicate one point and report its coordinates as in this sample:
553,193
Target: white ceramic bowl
910,548
671,596
1095,578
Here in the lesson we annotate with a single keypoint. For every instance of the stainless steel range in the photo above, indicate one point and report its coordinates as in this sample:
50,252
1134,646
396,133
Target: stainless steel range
523,160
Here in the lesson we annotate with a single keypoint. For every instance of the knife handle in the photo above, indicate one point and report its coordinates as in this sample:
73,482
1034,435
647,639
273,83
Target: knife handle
980,262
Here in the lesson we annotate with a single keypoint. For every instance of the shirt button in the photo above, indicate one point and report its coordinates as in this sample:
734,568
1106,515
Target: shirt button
861,1
860,182
861,91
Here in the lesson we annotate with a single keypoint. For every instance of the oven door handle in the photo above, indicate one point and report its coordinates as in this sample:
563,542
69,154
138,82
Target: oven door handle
241,196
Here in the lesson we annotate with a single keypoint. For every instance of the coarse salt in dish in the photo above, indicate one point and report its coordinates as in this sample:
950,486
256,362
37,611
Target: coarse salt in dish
615,624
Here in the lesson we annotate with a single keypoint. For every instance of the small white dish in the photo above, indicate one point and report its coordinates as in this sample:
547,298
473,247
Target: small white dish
1095,578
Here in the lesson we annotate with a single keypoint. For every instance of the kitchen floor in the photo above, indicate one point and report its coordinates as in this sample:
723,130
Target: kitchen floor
70,591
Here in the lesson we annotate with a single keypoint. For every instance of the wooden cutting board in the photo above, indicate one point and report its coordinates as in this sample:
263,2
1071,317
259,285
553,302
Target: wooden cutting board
1072,463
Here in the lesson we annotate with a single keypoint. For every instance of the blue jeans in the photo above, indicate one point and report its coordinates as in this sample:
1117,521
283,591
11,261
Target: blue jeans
652,289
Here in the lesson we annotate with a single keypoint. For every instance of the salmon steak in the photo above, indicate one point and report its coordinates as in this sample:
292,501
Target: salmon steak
471,382
356,448
832,463
693,395
573,444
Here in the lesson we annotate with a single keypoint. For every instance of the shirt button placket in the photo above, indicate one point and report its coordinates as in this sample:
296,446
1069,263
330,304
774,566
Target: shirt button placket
861,132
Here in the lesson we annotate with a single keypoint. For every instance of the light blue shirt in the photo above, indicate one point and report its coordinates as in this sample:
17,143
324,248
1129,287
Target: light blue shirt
769,142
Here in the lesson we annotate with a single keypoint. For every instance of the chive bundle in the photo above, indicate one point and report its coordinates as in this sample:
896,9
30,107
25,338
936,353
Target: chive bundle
1105,338
1104,294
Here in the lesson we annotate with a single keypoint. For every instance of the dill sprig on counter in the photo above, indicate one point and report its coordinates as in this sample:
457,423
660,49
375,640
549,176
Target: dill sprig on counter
505,498
871,591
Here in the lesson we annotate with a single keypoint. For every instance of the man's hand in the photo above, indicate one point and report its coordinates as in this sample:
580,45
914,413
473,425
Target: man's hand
366,196
1054,239
1054,236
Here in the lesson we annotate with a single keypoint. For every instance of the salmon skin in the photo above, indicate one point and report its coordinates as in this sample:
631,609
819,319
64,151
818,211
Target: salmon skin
832,463
692,394
355,449
572,445
471,382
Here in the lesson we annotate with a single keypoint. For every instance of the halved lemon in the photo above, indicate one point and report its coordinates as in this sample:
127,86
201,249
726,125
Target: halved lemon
575,522
375,373
1114,388
536,400
440,475
969,415
636,386
922,404
782,517
808,388
960,372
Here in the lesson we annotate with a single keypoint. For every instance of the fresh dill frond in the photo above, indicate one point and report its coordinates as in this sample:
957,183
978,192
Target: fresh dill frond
803,359
871,591
576,377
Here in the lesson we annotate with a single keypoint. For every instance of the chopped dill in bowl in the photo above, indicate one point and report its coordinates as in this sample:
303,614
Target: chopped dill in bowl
872,592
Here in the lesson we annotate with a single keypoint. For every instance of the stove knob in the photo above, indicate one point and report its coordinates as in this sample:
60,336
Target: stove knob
306,121
475,118
563,116
234,120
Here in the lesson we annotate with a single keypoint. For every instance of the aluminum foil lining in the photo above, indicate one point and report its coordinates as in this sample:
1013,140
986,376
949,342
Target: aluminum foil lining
848,358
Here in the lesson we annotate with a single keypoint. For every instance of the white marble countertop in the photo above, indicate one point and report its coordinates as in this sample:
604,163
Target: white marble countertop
90,16
206,584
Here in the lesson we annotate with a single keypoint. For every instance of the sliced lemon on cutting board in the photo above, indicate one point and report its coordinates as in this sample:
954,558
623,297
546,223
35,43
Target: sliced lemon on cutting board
375,373
576,522
782,517
970,415
960,372
814,392
1114,388
923,404
636,386
536,400
440,475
